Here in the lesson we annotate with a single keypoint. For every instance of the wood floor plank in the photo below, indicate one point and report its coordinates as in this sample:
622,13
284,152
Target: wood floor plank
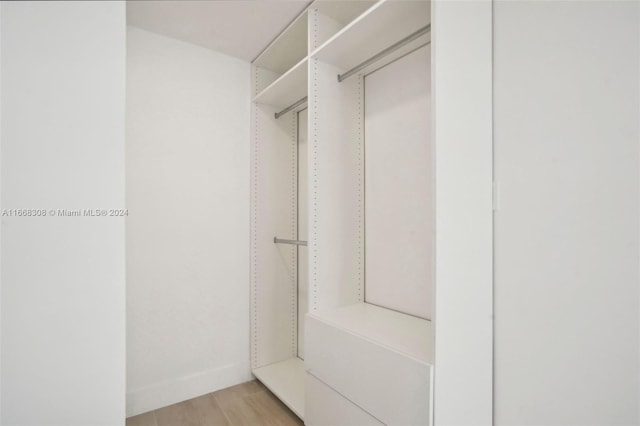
270,406
241,414
146,419
231,394
260,408
247,404
182,414
209,412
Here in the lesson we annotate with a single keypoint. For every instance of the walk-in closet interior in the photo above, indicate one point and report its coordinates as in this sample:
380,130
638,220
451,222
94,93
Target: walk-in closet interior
329,212
284,206
342,214
322,286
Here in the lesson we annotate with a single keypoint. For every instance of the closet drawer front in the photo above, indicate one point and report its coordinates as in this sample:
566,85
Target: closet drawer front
391,386
324,406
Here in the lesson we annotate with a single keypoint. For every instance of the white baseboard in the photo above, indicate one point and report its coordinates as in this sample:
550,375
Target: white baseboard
170,392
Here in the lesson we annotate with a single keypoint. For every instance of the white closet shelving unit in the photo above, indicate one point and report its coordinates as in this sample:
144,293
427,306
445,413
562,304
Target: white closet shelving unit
301,68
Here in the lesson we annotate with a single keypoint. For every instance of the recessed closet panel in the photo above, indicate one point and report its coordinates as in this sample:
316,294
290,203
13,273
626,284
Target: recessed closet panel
274,269
399,185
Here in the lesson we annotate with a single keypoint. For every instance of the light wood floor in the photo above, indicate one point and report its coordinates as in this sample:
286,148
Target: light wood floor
248,404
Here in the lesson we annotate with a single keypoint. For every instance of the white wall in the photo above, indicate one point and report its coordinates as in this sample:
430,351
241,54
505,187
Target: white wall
567,113
63,278
461,43
188,228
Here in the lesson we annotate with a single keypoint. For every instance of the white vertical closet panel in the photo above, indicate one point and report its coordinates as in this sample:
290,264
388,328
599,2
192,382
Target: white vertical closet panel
463,315
273,266
303,220
336,188
399,185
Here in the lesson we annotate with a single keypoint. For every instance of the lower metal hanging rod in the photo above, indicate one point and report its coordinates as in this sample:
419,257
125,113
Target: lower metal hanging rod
294,242
289,108
385,52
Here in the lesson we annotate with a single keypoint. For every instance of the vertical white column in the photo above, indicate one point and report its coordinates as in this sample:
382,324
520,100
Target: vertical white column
462,93
63,277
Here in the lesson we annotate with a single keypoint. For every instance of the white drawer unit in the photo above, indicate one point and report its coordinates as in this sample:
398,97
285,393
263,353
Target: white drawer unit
375,357
325,406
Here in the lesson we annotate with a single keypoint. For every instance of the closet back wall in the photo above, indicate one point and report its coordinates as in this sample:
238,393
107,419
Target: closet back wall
187,233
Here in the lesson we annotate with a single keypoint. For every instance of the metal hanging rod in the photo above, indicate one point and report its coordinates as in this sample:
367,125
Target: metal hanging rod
277,240
385,52
289,108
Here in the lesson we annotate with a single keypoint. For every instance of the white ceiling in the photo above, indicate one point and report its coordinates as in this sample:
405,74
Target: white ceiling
241,28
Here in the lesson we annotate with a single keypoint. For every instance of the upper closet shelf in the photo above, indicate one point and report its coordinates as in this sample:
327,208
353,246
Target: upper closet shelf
287,49
342,11
380,27
288,89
